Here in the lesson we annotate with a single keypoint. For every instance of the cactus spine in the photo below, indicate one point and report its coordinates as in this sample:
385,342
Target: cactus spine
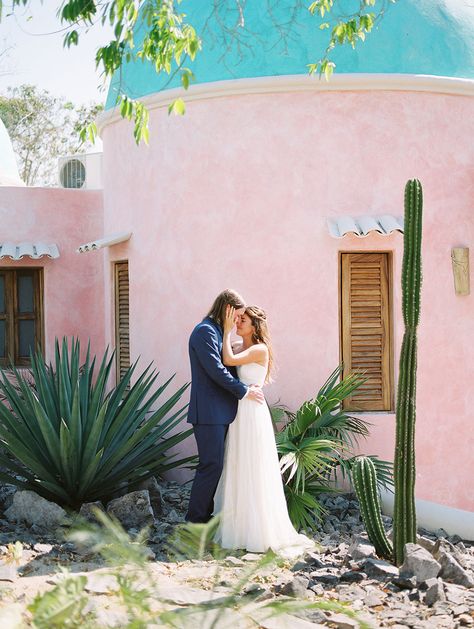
404,520
365,483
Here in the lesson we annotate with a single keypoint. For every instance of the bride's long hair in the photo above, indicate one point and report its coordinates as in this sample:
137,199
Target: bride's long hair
258,318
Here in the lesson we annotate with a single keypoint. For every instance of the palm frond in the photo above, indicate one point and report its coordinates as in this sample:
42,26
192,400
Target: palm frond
383,469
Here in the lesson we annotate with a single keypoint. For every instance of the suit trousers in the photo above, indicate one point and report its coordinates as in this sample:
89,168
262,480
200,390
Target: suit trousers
210,439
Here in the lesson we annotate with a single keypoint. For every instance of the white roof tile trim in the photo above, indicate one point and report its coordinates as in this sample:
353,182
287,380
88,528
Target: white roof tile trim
362,226
34,250
100,243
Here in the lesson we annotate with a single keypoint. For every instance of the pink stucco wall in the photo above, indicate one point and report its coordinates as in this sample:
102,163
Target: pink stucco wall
236,193
73,283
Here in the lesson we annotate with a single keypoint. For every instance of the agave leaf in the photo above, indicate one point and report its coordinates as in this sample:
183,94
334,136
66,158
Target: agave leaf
23,453
93,439
97,391
68,467
45,387
89,477
151,447
116,455
75,426
50,436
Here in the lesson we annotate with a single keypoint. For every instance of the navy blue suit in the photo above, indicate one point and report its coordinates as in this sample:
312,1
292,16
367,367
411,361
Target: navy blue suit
215,393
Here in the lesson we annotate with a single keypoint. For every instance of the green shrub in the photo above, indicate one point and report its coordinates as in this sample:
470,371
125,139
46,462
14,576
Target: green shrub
72,439
317,443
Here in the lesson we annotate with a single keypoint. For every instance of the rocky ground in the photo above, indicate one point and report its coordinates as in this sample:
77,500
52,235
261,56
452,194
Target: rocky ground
434,587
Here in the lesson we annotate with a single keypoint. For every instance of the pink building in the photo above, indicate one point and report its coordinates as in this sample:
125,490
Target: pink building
290,190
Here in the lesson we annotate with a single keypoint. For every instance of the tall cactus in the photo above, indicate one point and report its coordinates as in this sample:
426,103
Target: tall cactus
404,519
365,483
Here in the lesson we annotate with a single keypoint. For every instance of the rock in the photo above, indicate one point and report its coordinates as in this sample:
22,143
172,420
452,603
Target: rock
419,563
297,587
173,517
44,549
324,577
440,533
351,576
258,591
452,571
373,599
101,584
455,593
87,510
317,588
378,568
8,571
340,621
35,510
434,592
405,582
251,557
233,561
282,621
426,543
313,559
154,491
133,509
361,549
300,566
6,496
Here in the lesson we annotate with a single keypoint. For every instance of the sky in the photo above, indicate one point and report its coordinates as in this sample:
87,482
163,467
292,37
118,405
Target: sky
35,54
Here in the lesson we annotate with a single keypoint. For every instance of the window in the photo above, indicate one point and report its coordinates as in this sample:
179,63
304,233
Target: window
366,328
122,319
21,320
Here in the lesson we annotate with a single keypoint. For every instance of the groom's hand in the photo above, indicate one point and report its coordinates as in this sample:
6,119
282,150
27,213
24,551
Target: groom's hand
255,393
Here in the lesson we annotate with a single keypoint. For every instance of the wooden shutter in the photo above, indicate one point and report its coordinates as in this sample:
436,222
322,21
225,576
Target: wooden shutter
21,314
122,318
366,328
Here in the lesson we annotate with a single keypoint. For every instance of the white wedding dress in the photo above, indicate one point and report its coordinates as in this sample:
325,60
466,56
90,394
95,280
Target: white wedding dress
250,498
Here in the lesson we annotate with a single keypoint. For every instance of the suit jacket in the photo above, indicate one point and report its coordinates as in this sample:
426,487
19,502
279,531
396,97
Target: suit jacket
215,390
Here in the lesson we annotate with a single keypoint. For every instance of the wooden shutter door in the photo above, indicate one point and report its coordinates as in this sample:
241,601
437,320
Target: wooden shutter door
122,318
366,328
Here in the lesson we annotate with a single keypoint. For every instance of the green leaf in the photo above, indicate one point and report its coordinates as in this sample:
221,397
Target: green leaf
177,107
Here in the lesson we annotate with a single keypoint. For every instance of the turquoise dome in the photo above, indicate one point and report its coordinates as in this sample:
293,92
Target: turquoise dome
433,37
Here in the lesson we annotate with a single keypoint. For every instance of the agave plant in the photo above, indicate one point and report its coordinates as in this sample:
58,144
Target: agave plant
71,439
317,443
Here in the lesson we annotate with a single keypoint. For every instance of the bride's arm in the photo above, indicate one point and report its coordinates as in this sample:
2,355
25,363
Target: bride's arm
254,354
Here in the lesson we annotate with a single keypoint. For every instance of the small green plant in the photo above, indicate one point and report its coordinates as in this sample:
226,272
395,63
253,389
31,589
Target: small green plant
317,443
72,439
365,483
63,607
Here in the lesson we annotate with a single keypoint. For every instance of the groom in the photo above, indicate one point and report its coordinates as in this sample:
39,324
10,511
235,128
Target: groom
215,392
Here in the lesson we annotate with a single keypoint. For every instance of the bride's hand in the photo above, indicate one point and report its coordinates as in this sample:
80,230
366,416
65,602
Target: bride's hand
229,320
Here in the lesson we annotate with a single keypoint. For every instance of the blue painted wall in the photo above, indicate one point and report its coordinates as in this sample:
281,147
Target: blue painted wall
415,36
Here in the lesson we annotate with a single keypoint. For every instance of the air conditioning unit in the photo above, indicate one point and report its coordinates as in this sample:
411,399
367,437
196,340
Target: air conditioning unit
82,171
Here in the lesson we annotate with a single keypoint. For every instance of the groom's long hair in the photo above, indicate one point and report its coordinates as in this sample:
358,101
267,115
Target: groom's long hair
258,317
228,297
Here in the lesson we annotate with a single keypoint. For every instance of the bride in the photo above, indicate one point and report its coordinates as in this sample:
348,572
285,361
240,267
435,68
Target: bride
250,498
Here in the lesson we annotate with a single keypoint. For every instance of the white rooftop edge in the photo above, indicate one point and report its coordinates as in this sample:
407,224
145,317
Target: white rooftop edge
302,83
107,241
34,250
362,226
